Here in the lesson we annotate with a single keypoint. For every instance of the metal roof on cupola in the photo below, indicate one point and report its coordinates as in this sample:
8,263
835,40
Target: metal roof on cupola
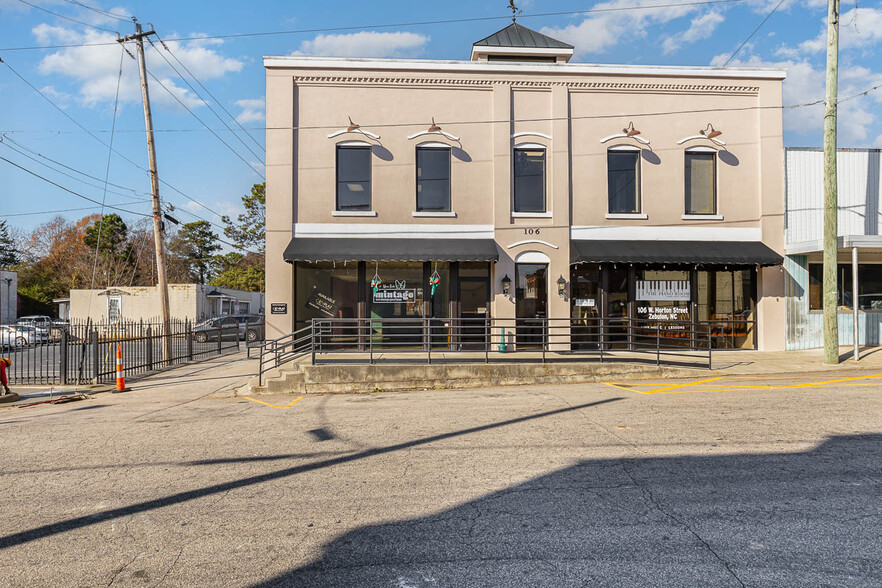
518,43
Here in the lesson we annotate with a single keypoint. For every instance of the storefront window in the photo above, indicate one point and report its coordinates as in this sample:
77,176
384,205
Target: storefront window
400,296
724,304
663,299
325,290
869,287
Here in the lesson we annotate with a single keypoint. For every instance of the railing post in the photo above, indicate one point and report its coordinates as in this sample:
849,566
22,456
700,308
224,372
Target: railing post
710,347
544,337
189,341
312,341
600,335
371,340
95,351
488,339
657,344
62,368
429,338
220,336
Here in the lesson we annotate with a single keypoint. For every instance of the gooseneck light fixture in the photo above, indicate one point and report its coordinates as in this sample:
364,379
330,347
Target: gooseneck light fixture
628,132
708,132
435,129
354,128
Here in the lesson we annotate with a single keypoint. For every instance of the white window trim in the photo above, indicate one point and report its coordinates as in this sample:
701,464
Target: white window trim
435,145
530,146
433,214
546,214
701,217
715,152
353,213
353,144
532,257
119,307
627,216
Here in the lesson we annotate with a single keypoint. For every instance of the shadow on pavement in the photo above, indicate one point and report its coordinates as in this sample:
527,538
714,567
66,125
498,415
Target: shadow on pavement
51,529
794,519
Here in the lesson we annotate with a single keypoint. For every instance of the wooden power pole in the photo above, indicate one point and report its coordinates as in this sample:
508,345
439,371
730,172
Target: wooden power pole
161,280
831,249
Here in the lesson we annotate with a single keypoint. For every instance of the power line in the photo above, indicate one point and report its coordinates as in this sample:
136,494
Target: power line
121,17
207,103
399,24
750,36
57,185
94,136
36,213
212,131
66,17
218,102
23,152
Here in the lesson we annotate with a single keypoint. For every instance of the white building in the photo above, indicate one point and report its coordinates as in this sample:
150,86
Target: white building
859,219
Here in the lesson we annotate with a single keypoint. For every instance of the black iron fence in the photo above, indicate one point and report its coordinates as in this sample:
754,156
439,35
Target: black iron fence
84,353
495,339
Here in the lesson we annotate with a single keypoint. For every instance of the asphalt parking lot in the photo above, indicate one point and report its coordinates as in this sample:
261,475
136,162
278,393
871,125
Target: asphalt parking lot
725,481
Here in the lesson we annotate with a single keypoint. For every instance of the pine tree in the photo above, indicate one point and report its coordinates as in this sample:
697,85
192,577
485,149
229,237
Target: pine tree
9,255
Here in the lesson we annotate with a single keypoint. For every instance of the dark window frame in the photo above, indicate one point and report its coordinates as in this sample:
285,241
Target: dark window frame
514,203
686,196
361,207
424,147
638,192
845,296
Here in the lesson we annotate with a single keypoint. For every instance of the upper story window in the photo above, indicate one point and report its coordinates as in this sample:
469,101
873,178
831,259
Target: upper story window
701,182
529,178
623,180
353,177
433,178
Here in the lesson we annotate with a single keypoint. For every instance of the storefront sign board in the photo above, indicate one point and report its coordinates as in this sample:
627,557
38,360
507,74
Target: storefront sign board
395,295
663,290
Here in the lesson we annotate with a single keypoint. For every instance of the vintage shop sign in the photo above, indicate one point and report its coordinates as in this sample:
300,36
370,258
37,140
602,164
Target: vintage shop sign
396,294
663,290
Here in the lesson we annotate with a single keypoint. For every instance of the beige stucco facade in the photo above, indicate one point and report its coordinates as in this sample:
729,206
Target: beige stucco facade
491,107
193,302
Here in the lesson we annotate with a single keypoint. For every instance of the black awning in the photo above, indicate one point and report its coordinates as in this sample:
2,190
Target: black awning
343,249
689,252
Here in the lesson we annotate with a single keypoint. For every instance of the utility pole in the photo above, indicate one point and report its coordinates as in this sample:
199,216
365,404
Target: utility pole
161,280
831,249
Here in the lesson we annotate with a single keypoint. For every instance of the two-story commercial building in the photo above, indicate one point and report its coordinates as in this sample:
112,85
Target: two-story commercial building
519,185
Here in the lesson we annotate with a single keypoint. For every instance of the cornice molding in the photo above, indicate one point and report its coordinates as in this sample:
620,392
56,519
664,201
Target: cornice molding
595,86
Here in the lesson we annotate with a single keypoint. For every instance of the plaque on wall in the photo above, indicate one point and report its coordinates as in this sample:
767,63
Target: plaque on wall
279,308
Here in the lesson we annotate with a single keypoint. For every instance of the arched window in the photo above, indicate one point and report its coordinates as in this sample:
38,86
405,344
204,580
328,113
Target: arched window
623,179
701,180
433,177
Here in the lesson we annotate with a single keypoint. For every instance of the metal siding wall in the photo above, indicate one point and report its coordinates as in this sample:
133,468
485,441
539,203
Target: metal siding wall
859,193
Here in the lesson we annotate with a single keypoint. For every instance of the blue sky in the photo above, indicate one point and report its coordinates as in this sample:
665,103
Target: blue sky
83,80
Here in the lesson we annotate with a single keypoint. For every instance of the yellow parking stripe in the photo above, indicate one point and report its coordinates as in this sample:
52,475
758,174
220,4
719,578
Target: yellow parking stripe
676,386
292,403
708,385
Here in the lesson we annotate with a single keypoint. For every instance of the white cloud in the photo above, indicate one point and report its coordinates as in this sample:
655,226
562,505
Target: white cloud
95,69
806,83
365,44
702,27
859,28
253,110
602,31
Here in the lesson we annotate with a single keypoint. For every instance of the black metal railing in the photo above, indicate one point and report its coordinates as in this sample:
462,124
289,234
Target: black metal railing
84,353
494,339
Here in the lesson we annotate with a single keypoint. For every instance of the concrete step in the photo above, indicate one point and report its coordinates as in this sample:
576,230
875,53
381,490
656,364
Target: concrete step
348,378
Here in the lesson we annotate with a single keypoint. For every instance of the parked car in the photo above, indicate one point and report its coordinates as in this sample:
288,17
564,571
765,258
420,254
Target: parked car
40,322
20,336
207,330
250,327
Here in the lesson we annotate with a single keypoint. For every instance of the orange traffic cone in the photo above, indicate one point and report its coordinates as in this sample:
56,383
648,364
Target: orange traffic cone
120,380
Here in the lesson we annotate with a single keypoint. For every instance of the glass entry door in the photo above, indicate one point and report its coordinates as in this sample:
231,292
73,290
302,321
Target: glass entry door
474,297
617,308
531,303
